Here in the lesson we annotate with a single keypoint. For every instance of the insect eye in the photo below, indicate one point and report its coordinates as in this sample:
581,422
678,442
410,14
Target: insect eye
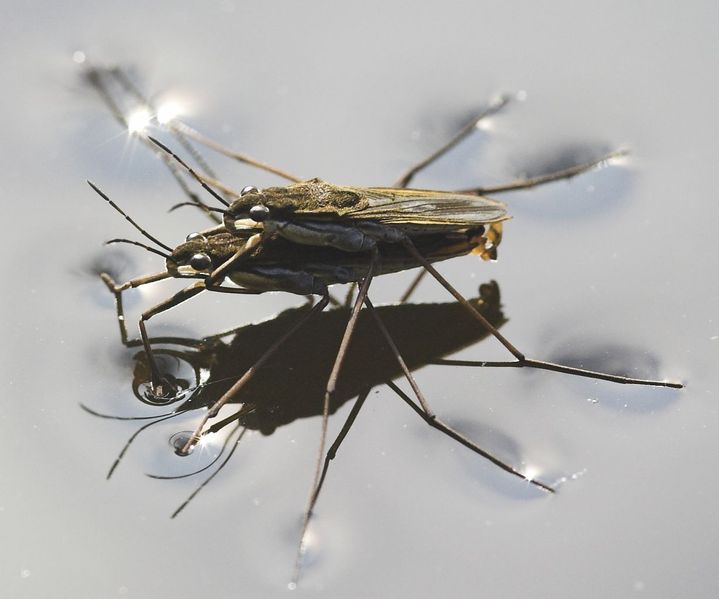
192,236
249,189
200,261
259,213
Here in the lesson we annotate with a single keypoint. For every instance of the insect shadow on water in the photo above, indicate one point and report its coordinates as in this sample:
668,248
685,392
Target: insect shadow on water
311,234
290,385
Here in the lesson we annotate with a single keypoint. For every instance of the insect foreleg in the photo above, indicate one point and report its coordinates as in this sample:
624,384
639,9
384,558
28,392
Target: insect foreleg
562,174
117,290
157,380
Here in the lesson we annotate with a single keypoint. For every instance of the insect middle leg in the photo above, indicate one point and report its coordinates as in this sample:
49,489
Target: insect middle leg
329,395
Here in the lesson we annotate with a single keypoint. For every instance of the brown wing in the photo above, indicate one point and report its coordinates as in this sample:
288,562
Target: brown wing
424,207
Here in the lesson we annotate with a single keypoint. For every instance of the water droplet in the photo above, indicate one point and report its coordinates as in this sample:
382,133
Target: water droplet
79,57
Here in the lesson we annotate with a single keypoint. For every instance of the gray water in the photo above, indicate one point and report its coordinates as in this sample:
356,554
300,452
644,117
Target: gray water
616,268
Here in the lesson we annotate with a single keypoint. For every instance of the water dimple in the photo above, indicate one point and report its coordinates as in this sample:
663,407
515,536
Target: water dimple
179,441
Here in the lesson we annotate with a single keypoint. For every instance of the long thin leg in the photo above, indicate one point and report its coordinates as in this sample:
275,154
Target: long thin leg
494,107
541,365
521,359
243,158
117,290
405,179
183,133
562,174
95,78
175,300
212,283
249,373
332,451
122,78
331,454
413,286
435,422
329,395
428,414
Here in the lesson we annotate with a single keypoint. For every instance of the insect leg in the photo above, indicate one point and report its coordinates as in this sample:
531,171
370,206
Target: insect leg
435,422
212,283
124,80
541,365
95,77
117,290
426,412
329,394
331,454
493,108
243,158
157,380
562,174
413,286
523,361
332,451
250,372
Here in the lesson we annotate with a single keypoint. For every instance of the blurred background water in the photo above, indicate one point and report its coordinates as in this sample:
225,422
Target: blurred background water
616,268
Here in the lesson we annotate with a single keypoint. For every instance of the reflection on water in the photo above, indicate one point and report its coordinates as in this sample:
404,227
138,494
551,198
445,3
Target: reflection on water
291,384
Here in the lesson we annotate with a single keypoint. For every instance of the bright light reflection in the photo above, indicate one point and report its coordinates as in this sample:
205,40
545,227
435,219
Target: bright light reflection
138,120
168,111
531,473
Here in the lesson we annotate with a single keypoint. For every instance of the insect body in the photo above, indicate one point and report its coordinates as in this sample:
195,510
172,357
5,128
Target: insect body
353,219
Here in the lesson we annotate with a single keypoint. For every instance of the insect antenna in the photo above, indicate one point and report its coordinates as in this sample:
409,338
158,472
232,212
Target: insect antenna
137,243
212,192
132,222
206,208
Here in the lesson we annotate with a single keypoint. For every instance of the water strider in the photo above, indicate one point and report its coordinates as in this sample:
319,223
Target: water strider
311,234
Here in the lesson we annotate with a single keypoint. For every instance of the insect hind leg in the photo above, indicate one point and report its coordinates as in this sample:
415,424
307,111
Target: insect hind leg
522,360
463,133
559,175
